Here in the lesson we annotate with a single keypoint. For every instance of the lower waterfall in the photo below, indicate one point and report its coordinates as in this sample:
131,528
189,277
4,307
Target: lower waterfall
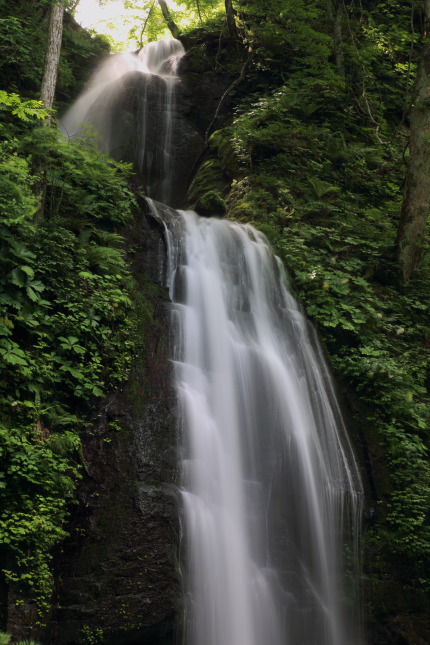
271,492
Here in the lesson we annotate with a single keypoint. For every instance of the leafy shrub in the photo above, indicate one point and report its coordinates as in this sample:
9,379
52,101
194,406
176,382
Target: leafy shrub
66,330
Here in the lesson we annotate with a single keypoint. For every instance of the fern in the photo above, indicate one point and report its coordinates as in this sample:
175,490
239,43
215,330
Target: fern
322,188
107,238
105,258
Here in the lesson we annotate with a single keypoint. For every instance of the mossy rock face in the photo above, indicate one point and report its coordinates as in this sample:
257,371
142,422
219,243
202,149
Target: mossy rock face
209,47
211,204
209,177
221,141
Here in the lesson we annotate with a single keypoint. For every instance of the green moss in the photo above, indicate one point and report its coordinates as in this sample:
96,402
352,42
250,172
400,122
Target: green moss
211,203
221,142
209,177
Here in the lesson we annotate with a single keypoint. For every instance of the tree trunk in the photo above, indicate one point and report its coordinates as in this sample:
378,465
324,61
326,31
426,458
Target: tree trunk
334,13
173,27
231,22
52,59
47,90
416,201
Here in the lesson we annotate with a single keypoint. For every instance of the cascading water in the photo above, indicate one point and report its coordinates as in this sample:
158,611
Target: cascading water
136,125
270,489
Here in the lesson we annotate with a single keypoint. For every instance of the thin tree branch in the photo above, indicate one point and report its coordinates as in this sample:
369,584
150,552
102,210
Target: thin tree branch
198,10
230,88
363,93
145,24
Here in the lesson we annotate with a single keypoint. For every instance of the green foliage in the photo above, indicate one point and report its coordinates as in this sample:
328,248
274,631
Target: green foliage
209,177
210,203
92,636
308,165
85,186
66,331
36,484
144,21
288,31
81,52
23,39
5,640
23,110
137,14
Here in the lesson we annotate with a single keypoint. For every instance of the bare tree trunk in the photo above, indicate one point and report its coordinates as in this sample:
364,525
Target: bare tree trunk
334,13
47,90
416,200
52,59
173,27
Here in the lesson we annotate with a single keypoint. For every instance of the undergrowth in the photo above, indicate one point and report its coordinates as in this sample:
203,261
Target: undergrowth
316,162
67,327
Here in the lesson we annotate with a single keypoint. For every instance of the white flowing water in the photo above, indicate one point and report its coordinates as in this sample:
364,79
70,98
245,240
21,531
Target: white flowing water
271,492
128,122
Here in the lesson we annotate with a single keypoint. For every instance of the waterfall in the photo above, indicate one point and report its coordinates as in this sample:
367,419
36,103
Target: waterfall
271,494
129,105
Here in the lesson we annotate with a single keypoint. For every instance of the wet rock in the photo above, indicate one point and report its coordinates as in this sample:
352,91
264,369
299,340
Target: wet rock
159,125
117,572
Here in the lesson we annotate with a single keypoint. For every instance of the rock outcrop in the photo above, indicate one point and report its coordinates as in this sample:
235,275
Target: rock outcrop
117,572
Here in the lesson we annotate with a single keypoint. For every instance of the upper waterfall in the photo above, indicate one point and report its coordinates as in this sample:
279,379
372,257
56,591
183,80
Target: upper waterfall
129,103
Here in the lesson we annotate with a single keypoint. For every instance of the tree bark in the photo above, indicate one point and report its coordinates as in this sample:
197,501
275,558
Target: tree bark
47,90
52,59
416,200
231,22
173,27
334,13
